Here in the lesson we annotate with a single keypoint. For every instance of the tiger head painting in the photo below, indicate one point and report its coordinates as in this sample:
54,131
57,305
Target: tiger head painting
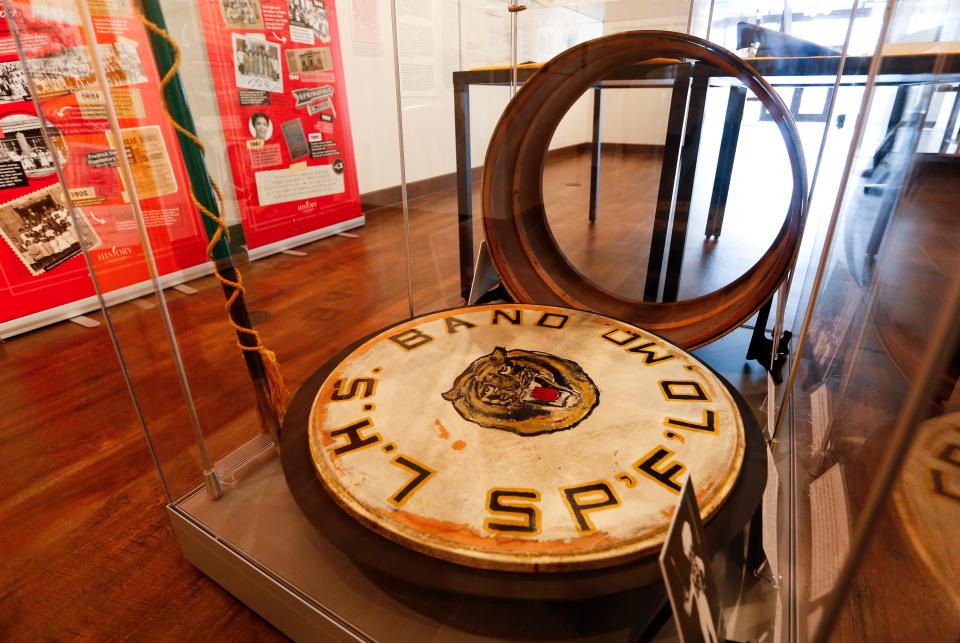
524,392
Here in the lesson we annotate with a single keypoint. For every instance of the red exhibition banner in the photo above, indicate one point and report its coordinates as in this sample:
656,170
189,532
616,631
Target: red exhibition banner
278,73
40,262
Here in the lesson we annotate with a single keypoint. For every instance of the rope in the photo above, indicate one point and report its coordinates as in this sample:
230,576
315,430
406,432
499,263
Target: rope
276,388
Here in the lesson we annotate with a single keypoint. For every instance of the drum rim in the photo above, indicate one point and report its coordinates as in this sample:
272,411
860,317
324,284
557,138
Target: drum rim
531,265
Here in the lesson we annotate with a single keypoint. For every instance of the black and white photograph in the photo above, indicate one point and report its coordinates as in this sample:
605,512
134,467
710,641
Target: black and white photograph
295,139
241,14
122,64
21,141
312,15
307,59
40,231
260,126
71,69
257,64
685,564
13,82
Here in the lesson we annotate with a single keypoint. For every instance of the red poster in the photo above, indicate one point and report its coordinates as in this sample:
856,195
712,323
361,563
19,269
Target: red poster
40,262
277,69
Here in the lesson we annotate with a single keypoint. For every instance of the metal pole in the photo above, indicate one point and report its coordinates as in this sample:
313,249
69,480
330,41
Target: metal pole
403,163
514,8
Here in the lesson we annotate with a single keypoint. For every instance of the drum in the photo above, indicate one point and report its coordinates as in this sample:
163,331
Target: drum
522,440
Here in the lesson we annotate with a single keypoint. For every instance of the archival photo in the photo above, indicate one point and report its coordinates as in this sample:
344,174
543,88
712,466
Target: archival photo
241,14
309,59
71,69
295,139
13,82
149,161
310,14
39,230
260,126
21,141
257,64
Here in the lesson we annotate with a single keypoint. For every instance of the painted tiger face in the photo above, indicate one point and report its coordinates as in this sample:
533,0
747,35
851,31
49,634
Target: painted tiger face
525,392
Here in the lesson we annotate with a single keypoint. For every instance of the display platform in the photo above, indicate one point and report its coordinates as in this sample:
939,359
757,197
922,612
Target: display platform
586,550
257,545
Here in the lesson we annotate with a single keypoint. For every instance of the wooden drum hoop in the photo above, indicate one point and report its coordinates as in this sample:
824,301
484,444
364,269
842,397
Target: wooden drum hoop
531,264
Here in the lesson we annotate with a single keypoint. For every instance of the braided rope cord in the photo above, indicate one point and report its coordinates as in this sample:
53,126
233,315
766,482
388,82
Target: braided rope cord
275,384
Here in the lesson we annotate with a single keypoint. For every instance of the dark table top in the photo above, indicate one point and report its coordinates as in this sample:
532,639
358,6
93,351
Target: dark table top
895,69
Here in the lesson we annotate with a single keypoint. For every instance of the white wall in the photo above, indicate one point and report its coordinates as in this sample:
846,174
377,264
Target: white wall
371,102
639,116
471,34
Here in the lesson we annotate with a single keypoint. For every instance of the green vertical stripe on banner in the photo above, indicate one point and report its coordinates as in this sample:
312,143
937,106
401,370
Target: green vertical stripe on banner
192,156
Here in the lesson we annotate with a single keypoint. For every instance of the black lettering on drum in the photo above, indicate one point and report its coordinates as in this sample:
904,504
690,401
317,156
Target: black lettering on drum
368,384
355,440
654,465
515,510
411,339
585,498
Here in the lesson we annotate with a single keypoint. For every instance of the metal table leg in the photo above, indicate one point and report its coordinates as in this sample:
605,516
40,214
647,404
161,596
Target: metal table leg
728,153
688,169
668,180
461,114
595,153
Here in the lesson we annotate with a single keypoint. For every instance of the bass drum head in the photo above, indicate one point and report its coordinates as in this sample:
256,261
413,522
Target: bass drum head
517,451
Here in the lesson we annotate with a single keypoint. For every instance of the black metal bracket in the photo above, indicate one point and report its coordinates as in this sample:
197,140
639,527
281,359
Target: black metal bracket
761,346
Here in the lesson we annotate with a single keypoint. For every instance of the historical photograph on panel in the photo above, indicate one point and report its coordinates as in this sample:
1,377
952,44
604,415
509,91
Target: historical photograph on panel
312,15
149,162
122,64
39,230
257,64
241,14
309,59
295,138
22,143
685,564
260,126
71,70
13,82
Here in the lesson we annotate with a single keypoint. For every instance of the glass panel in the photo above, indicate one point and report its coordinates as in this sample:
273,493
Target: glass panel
95,83
885,283
279,148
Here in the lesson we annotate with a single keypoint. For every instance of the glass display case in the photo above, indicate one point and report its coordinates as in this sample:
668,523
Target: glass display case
769,199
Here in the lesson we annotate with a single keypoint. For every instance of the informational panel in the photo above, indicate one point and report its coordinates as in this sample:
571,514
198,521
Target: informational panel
40,258
277,69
